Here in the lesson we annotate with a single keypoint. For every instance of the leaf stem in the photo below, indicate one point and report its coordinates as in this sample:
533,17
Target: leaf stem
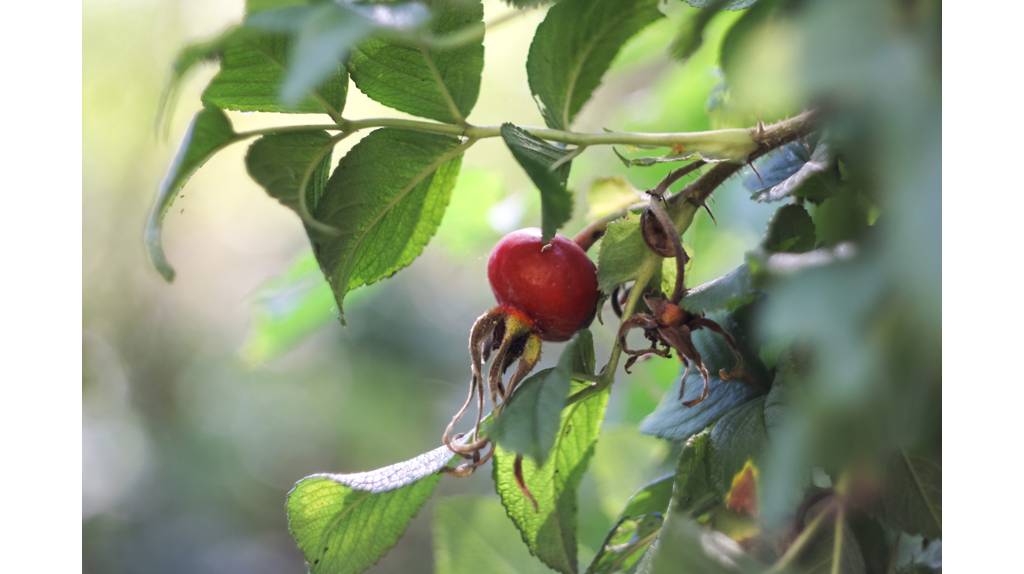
801,542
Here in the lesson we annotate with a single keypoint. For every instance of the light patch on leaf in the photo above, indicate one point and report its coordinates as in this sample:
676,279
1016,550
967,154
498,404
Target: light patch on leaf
344,523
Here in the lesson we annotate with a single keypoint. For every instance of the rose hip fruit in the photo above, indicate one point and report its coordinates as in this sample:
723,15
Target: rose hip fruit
545,292
554,285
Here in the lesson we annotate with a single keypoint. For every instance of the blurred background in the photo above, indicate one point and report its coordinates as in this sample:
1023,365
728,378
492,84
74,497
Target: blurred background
206,399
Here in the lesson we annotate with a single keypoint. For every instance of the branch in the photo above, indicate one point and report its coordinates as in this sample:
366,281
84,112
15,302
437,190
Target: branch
766,138
733,141
743,143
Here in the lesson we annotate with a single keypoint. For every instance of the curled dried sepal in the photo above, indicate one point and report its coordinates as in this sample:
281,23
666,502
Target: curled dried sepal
670,327
509,336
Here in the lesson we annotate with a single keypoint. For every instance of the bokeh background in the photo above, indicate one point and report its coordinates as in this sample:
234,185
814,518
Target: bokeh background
206,399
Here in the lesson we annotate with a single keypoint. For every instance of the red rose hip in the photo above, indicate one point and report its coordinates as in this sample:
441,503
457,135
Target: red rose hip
554,285
545,291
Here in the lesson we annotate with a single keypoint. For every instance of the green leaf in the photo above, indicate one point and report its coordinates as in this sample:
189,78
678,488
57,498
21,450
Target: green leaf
537,157
842,217
635,529
912,499
279,162
673,420
623,253
472,535
209,132
252,72
726,293
386,199
344,523
694,487
431,83
740,435
791,230
549,531
530,421
573,48
683,545
579,354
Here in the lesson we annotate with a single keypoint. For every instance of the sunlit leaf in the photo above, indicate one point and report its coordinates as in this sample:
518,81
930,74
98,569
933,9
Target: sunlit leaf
209,132
623,253
386,198
573,48
537,157
442,84
344,523
549,530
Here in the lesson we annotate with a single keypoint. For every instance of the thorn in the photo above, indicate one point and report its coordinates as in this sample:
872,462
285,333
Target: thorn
754,169
704,204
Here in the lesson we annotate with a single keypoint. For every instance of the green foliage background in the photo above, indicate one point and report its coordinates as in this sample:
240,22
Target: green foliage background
205,401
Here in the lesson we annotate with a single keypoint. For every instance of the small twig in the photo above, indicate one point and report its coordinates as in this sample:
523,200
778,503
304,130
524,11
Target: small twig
676,175
801,542
595,230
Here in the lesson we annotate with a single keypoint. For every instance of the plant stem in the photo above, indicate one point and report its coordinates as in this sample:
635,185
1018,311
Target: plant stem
607,376
801,542
748,143
738,138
